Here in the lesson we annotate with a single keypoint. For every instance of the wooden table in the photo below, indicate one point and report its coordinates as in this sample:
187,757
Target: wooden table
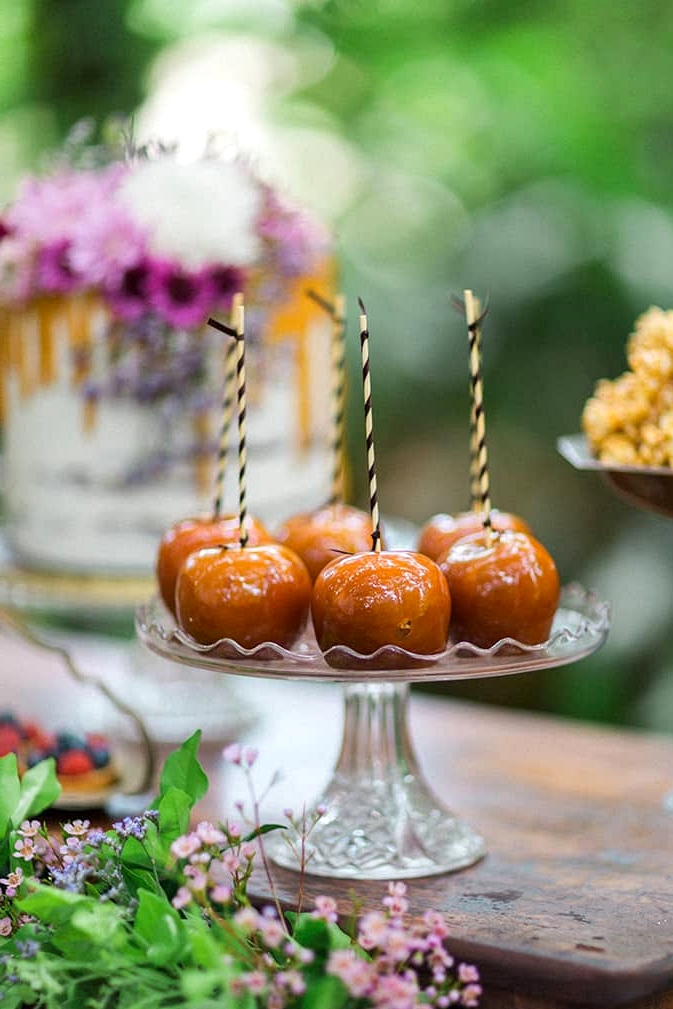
573,903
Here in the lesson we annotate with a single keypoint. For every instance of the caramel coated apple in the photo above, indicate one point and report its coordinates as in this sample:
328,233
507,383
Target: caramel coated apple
391,597
323,535
508,588
441,531
249,594
189,535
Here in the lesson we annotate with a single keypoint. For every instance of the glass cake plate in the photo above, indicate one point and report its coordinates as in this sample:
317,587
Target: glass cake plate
382,820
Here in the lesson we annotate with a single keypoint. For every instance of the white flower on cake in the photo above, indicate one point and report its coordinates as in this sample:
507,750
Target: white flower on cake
199,213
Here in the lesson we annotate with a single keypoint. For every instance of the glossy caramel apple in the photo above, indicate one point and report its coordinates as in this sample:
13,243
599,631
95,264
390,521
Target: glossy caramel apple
441,531
191,534
392,597
249,594
323,535
508,588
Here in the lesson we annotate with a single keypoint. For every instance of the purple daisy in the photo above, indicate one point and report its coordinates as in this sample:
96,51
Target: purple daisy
129,299
54,270
225,282
183,298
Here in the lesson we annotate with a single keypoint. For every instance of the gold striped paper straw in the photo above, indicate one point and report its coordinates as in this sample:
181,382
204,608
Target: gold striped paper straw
227,412
477,386
369,430
337,312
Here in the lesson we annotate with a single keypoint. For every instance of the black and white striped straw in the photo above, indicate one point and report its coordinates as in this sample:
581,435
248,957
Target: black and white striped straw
338,391
475,488
237,330
473,319
369,430
337,312
227,411
239,326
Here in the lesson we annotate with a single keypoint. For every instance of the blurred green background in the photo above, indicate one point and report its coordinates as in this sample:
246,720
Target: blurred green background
524,150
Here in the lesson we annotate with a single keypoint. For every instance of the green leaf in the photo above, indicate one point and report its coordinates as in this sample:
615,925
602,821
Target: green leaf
327,992
182,770
39,789
101,924
317,934
10,790
174,810
159,928
50,905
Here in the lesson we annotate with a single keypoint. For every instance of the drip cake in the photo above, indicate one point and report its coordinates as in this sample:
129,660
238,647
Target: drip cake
110,379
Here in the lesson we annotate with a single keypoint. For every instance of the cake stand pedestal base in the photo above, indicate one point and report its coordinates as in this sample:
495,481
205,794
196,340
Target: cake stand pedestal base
381,819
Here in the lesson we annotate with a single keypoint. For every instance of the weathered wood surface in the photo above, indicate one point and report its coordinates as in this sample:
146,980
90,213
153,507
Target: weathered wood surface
573,904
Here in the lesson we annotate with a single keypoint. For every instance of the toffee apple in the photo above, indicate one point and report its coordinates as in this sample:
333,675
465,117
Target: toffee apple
250,594
192,534
502,585
325,534
443,530
387,597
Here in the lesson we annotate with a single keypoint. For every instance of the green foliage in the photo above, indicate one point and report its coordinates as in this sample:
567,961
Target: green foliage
137,917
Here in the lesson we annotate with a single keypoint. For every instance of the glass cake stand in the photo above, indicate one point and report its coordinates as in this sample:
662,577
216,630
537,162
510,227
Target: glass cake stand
382,820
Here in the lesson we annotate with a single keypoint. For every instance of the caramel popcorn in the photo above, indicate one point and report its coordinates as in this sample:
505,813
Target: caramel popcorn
629,420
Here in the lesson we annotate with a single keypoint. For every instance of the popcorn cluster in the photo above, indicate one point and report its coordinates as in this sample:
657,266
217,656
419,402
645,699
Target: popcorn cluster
629,420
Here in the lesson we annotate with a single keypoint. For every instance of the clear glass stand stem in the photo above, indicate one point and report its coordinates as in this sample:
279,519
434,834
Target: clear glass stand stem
382,820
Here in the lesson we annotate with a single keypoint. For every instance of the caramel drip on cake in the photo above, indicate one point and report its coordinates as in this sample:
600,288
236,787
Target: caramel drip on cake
22,357
79,337
48,311
292,320
203,463
5,322
304,402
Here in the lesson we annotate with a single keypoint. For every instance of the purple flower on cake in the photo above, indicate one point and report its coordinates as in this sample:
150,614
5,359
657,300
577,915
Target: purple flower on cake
156,238
181,297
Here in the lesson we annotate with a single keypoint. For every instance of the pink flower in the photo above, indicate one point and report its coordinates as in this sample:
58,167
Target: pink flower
225,281
373,930
105,244
220,894
232,753
185,846
395,992
356,974
183,298
24,848
5,926
129,297
78,827
272,932
470,995
325,908
182,898
467,972
29,828
209,833
254,981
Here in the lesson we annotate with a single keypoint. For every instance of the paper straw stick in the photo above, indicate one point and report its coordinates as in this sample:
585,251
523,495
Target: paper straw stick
475,489
369,430
227,411
239,326
238,331
337,312
476,382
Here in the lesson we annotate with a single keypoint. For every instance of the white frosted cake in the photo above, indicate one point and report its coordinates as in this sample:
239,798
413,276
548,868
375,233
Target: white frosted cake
92,486
110,379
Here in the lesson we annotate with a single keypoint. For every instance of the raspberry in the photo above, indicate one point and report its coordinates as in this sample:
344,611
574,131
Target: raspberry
74,762
10,739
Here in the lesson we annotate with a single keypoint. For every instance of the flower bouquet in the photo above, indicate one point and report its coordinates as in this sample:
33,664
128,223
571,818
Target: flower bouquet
110,264
151,914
